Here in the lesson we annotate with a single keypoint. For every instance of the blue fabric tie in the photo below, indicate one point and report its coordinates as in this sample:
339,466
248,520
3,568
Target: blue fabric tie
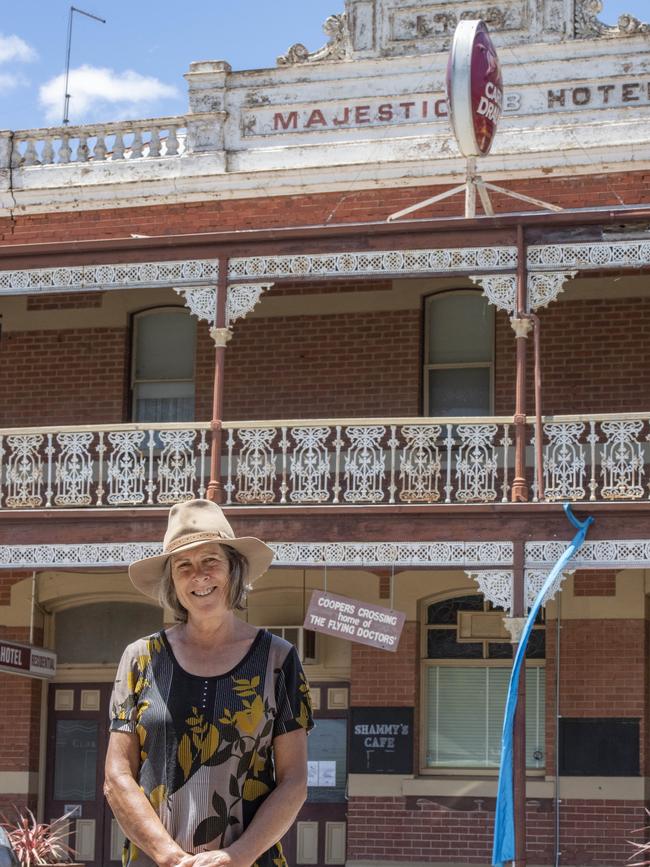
504,819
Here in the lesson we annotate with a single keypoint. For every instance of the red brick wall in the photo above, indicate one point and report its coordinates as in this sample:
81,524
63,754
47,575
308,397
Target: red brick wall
20,721
359,364
595,583
381,679
594,358
602,673
74,376
304,210
410,829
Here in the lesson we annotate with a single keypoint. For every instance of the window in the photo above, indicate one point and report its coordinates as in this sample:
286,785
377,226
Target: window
162,381
459,354
465,685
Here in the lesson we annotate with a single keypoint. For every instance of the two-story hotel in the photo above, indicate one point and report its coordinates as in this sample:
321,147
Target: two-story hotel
214,304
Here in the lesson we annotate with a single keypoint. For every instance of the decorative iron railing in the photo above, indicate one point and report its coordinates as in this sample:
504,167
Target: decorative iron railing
324,462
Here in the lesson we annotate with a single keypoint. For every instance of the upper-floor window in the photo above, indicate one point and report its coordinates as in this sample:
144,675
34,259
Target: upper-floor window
162,377
458,354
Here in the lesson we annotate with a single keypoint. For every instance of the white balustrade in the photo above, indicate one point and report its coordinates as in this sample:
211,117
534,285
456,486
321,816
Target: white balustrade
352,462
120,140
109,465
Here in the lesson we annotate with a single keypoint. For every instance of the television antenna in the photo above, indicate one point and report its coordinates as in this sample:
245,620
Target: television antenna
66,101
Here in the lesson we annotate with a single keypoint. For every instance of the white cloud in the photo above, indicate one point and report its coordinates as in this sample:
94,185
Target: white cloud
9,81
13,48
103,94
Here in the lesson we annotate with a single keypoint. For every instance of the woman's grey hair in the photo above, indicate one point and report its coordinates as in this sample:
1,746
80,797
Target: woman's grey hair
238,588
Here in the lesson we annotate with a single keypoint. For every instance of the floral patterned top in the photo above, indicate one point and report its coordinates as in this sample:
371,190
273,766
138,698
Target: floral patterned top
206,743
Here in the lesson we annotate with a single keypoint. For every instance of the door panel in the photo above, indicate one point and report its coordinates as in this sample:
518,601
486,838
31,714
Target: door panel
76,750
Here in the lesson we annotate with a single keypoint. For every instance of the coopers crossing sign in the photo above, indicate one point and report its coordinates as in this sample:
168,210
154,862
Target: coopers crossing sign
474,88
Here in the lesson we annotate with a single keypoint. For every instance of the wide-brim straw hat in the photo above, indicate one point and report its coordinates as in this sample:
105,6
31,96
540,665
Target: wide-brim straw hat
191,524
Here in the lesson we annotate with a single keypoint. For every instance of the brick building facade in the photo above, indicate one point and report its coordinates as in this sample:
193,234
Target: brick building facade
368,418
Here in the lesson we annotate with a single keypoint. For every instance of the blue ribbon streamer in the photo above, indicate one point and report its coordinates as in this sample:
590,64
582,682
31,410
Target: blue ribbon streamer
504,819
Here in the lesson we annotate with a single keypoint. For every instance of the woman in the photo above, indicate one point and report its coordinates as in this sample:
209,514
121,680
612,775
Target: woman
207,757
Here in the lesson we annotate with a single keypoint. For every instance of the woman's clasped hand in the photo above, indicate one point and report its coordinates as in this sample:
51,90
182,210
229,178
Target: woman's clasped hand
207,758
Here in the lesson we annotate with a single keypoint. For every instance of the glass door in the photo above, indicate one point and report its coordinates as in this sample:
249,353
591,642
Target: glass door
76,751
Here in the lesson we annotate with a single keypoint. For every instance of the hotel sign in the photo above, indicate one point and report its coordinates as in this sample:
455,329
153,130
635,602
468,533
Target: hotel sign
431,108
28,661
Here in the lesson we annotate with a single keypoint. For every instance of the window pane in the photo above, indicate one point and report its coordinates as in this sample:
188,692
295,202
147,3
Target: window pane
458,706
164,401
165,345
465,708
99,632
459,391
446,611
75,760
461,328
327,743
442,644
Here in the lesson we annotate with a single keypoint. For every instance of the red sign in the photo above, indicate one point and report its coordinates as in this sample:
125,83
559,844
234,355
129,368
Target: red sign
30,661
474,88
363,622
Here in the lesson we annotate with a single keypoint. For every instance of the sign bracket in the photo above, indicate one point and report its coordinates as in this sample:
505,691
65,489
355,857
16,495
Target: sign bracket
472,185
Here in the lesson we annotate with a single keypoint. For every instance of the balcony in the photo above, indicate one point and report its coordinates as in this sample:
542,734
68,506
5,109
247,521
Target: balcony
307,463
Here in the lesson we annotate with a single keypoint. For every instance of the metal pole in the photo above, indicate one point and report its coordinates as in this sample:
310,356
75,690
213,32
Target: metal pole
519,735
66,98
220,335
521,327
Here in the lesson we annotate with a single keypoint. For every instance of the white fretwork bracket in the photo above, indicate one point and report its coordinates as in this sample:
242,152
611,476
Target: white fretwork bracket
242,298
496,586
543,287
202,301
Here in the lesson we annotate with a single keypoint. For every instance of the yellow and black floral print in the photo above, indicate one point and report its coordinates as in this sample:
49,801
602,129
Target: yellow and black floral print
206,744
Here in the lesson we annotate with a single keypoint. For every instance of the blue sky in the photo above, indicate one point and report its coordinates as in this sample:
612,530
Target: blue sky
132,66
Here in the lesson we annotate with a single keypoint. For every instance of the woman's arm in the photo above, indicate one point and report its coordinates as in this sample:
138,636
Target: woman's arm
277,813
128,802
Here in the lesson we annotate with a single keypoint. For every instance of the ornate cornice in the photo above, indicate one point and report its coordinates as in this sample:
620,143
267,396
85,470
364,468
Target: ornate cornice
543,287
496,585
603,554
589,256
338,46
587,24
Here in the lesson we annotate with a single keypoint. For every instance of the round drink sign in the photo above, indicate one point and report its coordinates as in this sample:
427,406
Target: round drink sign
474,88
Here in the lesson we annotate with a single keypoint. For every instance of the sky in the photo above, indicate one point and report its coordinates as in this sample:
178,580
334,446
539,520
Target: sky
132,66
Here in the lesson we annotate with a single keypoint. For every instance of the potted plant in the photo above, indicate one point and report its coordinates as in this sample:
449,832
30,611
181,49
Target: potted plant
37,843
642,850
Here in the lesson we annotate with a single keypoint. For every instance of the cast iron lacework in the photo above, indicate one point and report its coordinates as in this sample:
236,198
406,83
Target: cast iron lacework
356,554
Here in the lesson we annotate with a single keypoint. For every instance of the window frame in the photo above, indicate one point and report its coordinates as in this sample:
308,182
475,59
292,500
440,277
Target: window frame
427,302
425,664
135,317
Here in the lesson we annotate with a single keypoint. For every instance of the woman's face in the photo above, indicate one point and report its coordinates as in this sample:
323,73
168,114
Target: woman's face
201,579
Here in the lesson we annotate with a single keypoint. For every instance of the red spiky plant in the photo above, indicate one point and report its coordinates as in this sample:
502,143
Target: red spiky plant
36,843
641,854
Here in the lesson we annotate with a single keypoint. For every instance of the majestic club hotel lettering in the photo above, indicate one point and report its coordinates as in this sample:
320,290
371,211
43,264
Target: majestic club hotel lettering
427,108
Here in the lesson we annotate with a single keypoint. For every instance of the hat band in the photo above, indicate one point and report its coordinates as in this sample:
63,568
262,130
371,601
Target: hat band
194,537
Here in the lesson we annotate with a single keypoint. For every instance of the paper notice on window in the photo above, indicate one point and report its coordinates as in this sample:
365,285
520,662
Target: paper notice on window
327,773
312,773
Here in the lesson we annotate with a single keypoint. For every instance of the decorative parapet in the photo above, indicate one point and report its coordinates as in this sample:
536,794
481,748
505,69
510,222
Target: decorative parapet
338,46
121,140
587,25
